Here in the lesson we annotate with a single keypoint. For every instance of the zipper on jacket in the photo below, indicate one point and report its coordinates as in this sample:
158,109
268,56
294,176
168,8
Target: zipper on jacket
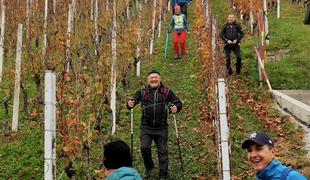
155,99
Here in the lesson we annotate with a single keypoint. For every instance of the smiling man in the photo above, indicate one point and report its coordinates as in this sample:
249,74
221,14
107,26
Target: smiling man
261,155
156,100
232,34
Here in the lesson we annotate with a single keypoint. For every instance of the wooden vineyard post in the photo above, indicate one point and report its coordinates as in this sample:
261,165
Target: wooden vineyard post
2,40
113,71
153,27
17,77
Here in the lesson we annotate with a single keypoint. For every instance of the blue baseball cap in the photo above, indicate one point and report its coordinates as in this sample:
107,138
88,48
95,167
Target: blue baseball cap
258,138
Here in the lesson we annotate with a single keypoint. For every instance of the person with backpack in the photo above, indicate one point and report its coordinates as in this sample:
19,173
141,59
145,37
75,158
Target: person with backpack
182,4
179,26
118,162
156,102
231,34
261,154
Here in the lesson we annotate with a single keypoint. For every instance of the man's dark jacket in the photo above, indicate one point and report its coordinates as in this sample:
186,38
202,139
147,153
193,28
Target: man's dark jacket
231,32
155,102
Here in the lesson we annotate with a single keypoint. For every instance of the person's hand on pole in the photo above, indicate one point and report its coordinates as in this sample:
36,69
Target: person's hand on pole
131,103
173,109
229,42
168,30
235,41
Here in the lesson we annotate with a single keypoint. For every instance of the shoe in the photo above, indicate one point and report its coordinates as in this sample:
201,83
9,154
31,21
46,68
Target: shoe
176,56
147,173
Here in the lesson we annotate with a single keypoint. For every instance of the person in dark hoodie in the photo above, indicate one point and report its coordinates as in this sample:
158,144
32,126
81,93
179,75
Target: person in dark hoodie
179,26
156,100
118,162
231,34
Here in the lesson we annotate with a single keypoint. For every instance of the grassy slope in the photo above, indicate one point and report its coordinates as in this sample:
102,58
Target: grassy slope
289,32
179,75
198,153
281,74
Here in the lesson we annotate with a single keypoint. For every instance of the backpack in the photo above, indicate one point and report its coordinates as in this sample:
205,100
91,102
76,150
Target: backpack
285,173
145,90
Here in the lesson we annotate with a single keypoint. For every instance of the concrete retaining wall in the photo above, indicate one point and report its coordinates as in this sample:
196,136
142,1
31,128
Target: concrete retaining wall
298,109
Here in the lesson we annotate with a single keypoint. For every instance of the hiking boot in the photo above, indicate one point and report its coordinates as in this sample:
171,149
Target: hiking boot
147,173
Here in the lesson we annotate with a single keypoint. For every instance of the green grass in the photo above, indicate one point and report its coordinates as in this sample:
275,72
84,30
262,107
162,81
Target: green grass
289,32
181,76
21,154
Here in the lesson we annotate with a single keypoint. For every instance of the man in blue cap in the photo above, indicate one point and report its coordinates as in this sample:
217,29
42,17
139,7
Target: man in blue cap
156,100
261,153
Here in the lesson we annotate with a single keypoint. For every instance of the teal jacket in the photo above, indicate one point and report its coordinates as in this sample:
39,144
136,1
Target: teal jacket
273,172
124,173
178,23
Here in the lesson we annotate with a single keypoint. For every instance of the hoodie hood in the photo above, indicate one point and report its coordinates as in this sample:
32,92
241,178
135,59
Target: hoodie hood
124,173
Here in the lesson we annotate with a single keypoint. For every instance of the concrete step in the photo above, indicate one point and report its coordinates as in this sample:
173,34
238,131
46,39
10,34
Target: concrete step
295,102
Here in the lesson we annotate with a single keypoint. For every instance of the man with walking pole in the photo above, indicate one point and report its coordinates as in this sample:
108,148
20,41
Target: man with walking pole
156,101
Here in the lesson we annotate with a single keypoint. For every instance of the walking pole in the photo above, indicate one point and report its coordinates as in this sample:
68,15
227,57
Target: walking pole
166,47
178,141
131,131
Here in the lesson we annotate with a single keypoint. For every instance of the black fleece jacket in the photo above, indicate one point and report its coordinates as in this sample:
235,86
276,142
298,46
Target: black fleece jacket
231,32
155,104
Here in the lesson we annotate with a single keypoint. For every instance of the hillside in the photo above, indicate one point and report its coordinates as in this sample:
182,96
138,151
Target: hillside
83,95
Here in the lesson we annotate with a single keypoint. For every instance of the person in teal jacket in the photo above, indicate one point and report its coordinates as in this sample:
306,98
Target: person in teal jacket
261,153
179,26
124,173
118,162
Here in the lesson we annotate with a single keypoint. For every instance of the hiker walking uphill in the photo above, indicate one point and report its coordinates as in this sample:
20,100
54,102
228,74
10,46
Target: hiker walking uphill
179,26
155,99
261,153
231,34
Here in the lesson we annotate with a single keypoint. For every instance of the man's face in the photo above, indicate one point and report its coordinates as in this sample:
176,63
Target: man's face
231,18
153,80
260,156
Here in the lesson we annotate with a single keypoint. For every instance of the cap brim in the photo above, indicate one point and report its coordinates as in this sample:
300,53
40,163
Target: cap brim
247,143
